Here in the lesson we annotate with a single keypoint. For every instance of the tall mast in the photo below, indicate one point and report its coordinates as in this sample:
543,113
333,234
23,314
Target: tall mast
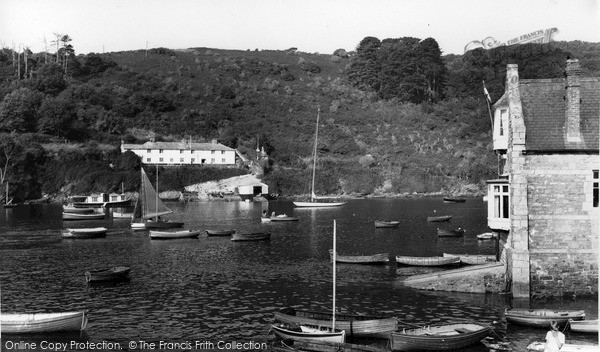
312,188
334,258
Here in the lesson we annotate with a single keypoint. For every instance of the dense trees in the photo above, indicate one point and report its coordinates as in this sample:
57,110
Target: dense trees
408,69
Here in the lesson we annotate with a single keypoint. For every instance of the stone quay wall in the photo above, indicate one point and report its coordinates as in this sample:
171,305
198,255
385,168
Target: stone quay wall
563,225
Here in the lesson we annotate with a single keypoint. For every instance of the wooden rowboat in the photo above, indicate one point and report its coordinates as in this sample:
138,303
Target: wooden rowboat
283,217
442,337
385,224
584,325
322,346
486,236
79,216
72,209
90,232
226,232
170,235
427,261
542,317
43,322
473,259
118,273
308,333
354,325
255,236
380,258
454,200
439,218
459,232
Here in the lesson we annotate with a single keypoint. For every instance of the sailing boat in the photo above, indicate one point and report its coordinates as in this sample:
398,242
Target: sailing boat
313,197
307,332
9,203
149,208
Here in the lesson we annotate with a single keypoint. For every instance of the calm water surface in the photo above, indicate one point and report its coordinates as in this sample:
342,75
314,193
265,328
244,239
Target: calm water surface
212,289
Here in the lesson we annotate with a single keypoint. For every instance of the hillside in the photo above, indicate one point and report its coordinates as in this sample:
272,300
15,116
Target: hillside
367,144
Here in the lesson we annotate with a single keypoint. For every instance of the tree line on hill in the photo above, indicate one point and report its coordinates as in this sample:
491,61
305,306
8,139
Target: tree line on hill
63,96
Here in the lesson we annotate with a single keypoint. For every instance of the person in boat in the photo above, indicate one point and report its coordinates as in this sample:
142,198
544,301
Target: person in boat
554,338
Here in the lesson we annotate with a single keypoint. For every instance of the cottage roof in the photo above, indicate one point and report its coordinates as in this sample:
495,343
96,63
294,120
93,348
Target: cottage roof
178,146
544,102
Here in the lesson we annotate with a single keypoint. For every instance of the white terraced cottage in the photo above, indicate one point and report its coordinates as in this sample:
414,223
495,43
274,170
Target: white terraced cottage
182,153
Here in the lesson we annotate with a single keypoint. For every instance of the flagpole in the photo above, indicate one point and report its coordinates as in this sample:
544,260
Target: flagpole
488,99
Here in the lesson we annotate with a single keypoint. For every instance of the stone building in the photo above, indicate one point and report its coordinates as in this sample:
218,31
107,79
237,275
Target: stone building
182,153
546,134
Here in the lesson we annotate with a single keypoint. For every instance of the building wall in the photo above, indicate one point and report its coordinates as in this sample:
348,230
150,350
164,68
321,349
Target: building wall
563,225
186,156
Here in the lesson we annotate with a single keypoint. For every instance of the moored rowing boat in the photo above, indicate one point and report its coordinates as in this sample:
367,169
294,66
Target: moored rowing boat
379,258
442,337
254,236
169,235
43,322
473,259
542,317
89,232
427,261
355,325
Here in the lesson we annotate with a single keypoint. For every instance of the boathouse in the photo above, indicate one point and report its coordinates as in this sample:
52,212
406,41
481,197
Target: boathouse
182,153
546,134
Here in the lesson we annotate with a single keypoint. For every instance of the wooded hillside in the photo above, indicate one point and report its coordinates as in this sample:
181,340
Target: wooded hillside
397,116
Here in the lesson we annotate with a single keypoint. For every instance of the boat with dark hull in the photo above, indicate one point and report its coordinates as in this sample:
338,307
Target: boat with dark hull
439,338
458,232
354,325
440,218
251,236
117,273
226,232
88,232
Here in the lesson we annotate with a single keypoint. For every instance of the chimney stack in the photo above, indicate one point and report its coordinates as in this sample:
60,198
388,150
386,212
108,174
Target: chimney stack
573,100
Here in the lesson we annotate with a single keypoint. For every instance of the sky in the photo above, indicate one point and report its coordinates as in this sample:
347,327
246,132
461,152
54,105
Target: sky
315,26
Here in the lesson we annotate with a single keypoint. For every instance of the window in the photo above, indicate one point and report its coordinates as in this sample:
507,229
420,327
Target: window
148,150
160,151
212,160
595,193
114,198
191,151
94,198
193,159
501,204
503,114
148,160
223,160
222,152
180,160
160,160
212,151
171,159
180,151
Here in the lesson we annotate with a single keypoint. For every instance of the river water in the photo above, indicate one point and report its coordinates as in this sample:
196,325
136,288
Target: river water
211,289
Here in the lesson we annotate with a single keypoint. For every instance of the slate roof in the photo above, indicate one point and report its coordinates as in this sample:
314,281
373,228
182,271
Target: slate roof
178,146
544,102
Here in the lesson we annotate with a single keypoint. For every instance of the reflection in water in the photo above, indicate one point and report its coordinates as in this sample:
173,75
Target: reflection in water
211,288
